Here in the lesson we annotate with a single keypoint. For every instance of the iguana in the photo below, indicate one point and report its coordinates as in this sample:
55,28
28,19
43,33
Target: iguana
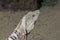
25,25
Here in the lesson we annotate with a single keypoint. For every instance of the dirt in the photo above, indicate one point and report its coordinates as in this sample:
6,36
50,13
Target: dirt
47,27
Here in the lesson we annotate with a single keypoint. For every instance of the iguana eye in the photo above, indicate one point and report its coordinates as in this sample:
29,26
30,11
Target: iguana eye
33,15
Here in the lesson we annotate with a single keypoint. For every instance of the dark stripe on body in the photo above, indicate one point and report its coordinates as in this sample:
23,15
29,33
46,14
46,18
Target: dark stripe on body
17,33
12,38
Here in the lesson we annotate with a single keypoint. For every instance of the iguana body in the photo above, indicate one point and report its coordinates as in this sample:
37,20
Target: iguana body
26,24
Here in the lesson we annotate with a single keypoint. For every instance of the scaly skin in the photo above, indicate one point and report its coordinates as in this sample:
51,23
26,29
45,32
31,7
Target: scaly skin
25,26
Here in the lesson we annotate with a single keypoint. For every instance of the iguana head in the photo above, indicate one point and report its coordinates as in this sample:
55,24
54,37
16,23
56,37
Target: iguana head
31,17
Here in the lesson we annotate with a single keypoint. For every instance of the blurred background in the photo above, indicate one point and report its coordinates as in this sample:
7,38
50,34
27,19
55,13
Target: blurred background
25,4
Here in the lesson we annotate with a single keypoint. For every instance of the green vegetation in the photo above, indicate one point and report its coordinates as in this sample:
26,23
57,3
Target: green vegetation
49,2
25,4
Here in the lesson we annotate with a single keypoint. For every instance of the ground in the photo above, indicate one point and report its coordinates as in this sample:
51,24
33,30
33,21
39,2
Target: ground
47,26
